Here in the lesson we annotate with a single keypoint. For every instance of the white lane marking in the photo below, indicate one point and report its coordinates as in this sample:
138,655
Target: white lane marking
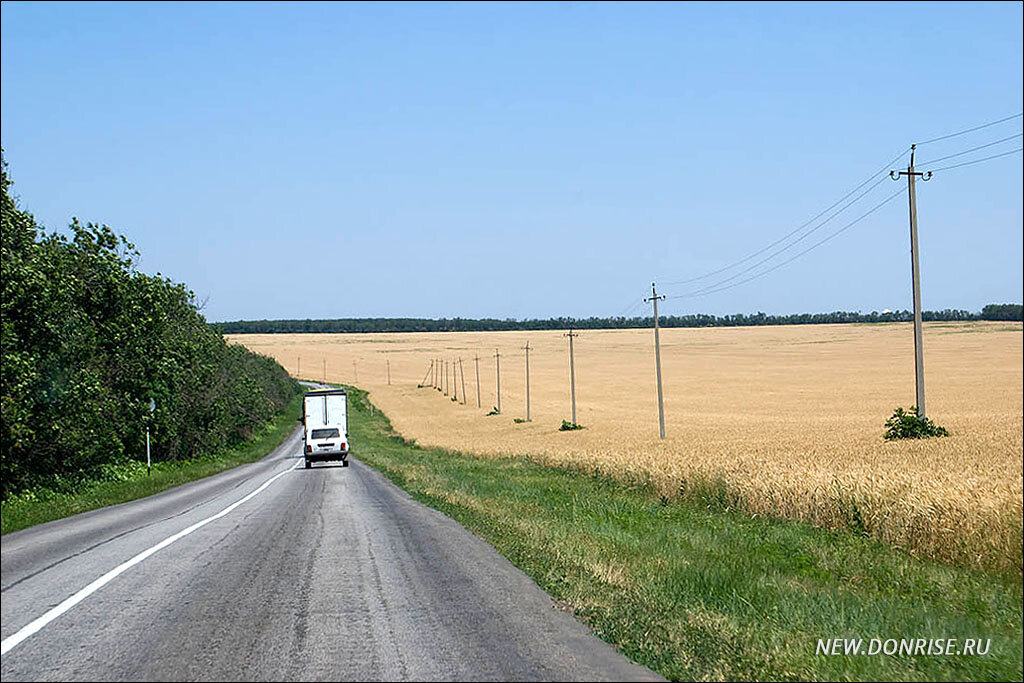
37,625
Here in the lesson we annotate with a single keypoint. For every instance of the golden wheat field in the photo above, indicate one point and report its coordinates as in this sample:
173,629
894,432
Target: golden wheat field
783,421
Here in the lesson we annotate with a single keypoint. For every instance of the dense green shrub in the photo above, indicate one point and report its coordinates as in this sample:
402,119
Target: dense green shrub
87,341
908,424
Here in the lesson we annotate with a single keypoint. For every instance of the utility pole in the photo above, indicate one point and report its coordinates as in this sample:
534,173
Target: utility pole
915,274
476,358
325,371
657,358
355,371
298,368
444,375
462,370
527,347
389,371
429,372
455,381
572,374
497,371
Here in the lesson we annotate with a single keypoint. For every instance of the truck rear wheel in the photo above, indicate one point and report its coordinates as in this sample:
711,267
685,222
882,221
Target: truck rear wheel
308,464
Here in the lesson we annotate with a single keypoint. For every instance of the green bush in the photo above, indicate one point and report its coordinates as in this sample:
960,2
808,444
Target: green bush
569,426
908,424
87,340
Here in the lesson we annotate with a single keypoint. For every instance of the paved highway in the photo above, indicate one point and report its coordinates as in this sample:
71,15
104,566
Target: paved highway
267,572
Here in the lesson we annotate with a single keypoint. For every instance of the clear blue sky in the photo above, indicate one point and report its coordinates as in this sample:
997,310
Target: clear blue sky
518,160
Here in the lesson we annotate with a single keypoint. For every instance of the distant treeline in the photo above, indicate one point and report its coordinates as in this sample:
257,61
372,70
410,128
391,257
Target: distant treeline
990,312
87,341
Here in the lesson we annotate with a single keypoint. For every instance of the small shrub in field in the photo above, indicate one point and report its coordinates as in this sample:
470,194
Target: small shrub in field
494,411
907,424
569,426
518,420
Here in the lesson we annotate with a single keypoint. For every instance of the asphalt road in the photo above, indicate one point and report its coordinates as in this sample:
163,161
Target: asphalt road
330,573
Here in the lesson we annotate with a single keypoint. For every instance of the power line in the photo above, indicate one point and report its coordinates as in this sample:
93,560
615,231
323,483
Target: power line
782,239
971,130
791,244
632,307
978,161
972,149
817,244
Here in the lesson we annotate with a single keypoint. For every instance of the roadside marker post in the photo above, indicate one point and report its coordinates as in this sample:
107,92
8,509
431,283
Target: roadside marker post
149,462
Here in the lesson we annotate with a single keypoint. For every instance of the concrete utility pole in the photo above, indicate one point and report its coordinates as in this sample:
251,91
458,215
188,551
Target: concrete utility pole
298,368
428,373
389,371
455,381
497,374
657,358
527,347
462,371
476,358
325,371
572,374
355,372
915,274
445,374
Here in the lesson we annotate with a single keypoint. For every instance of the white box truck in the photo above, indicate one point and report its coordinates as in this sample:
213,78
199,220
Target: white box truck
325,426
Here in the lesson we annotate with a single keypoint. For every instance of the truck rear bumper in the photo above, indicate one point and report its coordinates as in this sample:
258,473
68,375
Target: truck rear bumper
326,456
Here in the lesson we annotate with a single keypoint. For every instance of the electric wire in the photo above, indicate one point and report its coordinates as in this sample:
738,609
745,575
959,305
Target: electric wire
817,244
792,244
968,151
971,130
629,309
722,284
782,239
978,161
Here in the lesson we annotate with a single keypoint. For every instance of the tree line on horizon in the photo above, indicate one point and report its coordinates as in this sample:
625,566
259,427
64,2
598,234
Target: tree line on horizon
1005,312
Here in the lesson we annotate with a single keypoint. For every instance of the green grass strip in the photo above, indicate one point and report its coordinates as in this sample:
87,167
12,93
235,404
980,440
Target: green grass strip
20,512
696,592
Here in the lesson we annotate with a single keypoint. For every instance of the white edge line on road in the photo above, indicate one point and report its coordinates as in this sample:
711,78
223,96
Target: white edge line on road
38,624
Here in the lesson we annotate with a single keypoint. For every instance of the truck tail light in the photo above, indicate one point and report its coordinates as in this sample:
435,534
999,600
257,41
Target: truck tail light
309,449
344,446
